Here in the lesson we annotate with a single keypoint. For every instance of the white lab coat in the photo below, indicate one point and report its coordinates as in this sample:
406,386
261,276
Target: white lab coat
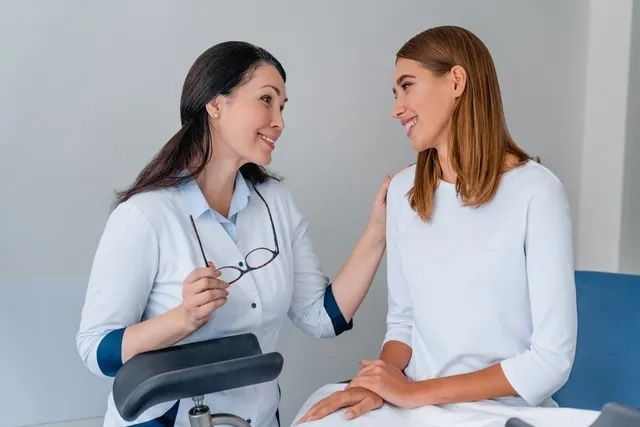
148,249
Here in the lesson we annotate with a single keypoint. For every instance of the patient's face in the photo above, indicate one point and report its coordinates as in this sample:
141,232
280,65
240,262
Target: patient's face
424,104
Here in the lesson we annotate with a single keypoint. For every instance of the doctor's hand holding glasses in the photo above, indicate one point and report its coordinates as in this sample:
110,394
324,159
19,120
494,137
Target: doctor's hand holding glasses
205,289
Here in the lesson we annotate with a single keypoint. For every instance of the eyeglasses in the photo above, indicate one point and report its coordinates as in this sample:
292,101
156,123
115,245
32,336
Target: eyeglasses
257,258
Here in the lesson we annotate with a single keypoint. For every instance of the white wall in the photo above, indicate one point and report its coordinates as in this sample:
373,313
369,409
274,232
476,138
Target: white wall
91,91
605,114
630,224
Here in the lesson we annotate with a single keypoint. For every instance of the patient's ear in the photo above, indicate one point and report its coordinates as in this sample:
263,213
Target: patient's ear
458,77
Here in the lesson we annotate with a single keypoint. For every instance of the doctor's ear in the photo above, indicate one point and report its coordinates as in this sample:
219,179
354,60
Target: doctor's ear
213,109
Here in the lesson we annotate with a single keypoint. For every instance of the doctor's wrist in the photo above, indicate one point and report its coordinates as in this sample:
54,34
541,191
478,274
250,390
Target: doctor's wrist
375,234
187,322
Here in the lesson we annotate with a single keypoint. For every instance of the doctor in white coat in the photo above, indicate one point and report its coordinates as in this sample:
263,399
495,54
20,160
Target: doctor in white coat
206,243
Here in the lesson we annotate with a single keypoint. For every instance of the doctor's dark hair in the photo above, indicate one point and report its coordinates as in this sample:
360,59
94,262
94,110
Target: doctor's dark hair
218,71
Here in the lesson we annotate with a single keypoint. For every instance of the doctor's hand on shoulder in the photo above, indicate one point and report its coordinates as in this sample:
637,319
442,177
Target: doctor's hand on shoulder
202,294
378,213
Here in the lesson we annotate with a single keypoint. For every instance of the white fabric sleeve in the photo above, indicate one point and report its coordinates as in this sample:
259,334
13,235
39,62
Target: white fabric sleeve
544,367
313,308
123,272
399,314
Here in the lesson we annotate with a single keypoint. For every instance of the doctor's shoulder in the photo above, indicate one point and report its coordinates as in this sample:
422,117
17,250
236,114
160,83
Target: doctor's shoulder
149,208
274,191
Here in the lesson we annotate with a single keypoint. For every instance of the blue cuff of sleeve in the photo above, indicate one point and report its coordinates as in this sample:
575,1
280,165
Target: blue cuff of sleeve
110,352
337,319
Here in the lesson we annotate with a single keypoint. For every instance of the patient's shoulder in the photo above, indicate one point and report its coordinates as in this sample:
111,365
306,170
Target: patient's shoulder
402,182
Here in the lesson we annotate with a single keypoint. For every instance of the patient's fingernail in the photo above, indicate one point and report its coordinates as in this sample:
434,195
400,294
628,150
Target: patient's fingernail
348,415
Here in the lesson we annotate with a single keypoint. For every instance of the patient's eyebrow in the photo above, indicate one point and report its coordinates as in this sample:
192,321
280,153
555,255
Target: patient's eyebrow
399,80
402,77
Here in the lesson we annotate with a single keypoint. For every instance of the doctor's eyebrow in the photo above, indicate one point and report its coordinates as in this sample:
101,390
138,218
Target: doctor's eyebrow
276,89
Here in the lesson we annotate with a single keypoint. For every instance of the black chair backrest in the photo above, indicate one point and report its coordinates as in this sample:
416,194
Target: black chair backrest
189,370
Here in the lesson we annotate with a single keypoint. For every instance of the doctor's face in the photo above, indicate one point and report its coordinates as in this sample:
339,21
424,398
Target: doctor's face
249,121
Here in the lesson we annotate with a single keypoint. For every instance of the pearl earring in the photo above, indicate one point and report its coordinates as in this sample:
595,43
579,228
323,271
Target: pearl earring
216,115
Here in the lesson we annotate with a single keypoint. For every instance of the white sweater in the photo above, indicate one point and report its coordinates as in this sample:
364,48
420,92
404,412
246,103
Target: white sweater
479,286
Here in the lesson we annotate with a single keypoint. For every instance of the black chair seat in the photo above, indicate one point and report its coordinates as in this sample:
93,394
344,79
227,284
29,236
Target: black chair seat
189,370
617,415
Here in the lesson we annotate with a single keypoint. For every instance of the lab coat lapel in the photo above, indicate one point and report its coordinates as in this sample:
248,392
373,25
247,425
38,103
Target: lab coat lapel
223,251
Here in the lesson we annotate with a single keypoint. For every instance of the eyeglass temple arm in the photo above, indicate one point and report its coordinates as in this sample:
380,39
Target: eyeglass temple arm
206,263
273,227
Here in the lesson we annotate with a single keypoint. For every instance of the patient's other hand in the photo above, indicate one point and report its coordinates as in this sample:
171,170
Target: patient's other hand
358,400
388,382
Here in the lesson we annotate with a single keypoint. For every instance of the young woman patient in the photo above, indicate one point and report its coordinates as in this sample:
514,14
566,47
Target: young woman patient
480,262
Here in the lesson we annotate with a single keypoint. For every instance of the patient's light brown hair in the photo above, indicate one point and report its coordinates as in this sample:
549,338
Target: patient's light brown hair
479,139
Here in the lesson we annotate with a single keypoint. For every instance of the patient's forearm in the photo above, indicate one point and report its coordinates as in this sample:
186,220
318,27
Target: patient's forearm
487,383
355,277
396,353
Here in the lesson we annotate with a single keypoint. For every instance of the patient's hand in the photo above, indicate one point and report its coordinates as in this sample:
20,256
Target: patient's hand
388,382
358,400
